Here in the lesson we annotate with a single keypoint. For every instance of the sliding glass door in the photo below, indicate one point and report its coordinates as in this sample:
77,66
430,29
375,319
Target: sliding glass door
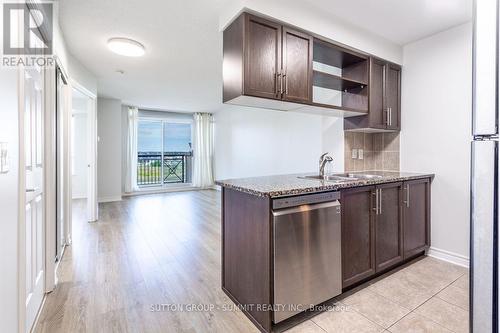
164,153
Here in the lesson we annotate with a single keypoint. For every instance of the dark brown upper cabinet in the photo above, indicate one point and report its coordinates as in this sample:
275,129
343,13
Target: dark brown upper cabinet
340,77
266,59
384,100
269,64
297,66
393,96
262,58
416,216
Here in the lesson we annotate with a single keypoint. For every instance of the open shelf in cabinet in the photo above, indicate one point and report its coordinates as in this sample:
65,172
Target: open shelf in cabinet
340,77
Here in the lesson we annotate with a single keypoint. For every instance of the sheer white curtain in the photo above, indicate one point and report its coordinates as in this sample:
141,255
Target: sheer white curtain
131,179
203,150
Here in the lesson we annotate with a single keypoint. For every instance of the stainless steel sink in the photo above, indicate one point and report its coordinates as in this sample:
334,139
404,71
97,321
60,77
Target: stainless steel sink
342,177
358,175
329,178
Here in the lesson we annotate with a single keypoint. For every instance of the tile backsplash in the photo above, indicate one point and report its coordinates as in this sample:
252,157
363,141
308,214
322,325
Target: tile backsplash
380,151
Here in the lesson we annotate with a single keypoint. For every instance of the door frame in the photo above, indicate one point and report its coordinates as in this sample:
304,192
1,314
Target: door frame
21,230
51,175
92,204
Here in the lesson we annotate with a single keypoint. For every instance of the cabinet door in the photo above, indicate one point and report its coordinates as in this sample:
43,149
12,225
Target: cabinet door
389,226
416,216
262,58
297,66
393,96
358,235
377,115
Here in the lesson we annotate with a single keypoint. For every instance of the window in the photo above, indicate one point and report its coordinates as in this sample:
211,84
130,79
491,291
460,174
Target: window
164,149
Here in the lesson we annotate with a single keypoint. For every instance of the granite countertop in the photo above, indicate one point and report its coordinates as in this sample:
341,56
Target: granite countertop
286,185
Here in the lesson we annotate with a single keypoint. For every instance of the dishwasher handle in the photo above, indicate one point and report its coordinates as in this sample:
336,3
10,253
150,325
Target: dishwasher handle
306,208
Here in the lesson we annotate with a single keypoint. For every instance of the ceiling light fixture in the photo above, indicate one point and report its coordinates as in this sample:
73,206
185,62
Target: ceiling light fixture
126,47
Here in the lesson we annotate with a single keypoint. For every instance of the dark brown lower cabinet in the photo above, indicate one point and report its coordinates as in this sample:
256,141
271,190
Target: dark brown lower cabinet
389,226
416,216
382,226
358,234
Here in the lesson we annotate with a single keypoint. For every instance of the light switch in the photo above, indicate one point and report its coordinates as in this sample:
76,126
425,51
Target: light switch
354,154
4,157
360,154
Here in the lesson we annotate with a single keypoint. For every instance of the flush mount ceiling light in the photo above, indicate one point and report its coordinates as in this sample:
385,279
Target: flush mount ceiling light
126,47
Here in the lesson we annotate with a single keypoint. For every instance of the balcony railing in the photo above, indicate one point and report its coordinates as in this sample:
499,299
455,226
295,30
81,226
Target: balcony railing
174,167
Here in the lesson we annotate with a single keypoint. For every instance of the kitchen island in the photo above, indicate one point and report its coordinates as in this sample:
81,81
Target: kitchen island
290,242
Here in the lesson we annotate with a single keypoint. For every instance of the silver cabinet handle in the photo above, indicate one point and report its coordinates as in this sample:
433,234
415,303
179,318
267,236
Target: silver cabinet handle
281,84
390,116
285,77
408,195
380,201
278,79
32,189
376,201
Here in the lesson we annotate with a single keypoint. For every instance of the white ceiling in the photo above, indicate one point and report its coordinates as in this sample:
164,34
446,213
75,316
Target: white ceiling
182,69
400,21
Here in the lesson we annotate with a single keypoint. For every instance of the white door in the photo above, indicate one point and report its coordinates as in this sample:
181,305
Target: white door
34,219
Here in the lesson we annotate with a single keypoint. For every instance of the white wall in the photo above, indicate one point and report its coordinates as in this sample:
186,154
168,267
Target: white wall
80,161
255,142
109,149
82,75
435,133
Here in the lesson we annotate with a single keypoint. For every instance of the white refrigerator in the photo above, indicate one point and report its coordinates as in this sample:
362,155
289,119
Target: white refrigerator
485,170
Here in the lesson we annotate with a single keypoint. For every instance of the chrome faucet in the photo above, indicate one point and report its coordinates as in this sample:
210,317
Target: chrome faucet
325,158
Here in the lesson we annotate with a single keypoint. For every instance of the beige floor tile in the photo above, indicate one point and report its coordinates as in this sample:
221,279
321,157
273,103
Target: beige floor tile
415,323
438,268
399,289
377,308
455,295
306,327
432,276
448,315
346,321
462,282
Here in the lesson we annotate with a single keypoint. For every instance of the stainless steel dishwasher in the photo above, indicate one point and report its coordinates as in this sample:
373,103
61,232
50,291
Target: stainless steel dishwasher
307,245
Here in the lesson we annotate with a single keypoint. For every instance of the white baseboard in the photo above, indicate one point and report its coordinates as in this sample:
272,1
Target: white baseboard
168,190
160,190
110,199
448,256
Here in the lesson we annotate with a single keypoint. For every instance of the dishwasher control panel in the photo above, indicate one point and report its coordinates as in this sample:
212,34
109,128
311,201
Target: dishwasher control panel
305,199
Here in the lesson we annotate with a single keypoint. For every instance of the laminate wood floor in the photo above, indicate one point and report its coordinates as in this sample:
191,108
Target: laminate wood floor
152,264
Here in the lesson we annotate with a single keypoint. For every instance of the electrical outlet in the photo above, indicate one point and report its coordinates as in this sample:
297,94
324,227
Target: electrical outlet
360,154
354,154
4,157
